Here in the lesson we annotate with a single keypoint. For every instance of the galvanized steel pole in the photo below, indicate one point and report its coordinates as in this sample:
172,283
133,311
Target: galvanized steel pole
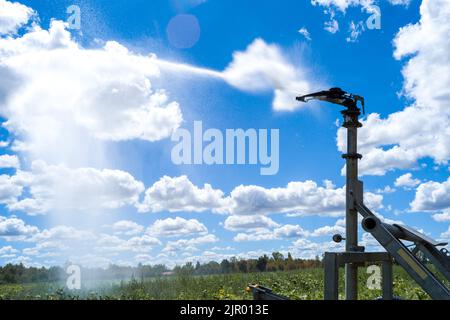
352,124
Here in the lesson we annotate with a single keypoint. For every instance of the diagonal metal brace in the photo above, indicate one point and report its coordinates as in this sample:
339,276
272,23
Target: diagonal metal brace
418,271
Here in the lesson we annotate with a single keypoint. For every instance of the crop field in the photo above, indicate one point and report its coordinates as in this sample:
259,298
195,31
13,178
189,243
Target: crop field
299,285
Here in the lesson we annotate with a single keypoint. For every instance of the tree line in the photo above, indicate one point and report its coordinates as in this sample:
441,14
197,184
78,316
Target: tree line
276,262
18,273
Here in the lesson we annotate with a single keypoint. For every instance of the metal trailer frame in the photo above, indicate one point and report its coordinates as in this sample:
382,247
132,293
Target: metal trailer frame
389,236
333,261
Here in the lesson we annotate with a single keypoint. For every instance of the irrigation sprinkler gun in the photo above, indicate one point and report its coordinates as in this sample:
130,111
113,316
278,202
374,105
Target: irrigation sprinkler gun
389,236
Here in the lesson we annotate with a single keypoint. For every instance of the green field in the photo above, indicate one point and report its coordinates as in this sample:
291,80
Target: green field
302,284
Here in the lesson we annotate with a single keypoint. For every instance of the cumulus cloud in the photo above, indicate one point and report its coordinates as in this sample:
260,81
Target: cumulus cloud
442,217
180,194
236,223
446,234
189,244
302,198
290,231
287,231
15,228
432,196
9,161
176,227
406,181
355,30
8,252
62,233
13,16
56,188
297,196
403,138
57,240
55,107
263,67
127,227
10,189
328,230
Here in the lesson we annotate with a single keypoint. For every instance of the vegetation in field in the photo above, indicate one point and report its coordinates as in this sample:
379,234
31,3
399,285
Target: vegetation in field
294,278
304,284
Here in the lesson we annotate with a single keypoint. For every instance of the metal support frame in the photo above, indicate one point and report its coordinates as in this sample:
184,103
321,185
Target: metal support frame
333,261
383,233
351,123
388,236
263,293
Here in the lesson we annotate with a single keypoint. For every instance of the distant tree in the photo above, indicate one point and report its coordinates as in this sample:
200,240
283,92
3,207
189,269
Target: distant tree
261,263
225,266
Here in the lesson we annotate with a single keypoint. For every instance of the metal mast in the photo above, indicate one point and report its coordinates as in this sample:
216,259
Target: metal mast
351,123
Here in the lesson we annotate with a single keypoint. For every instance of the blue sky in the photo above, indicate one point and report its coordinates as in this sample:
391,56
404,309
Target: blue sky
76,175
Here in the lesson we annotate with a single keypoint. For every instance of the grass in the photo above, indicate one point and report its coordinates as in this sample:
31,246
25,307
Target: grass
299,285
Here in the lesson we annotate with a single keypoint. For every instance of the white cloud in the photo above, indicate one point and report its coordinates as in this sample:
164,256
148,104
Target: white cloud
15,228
176,227
403,138
287,231
127,227
263,67
442,217
305,33
332,26
343,5
355,30
305,197
446,234
57,241
189,244
302,198
10,189
180,194
290,231
306,249
102,94
432,196
256,235
143,243
13,16
62,233
386,190
407,181
61,188
400,2
236,223
9,161
328,230
7,251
